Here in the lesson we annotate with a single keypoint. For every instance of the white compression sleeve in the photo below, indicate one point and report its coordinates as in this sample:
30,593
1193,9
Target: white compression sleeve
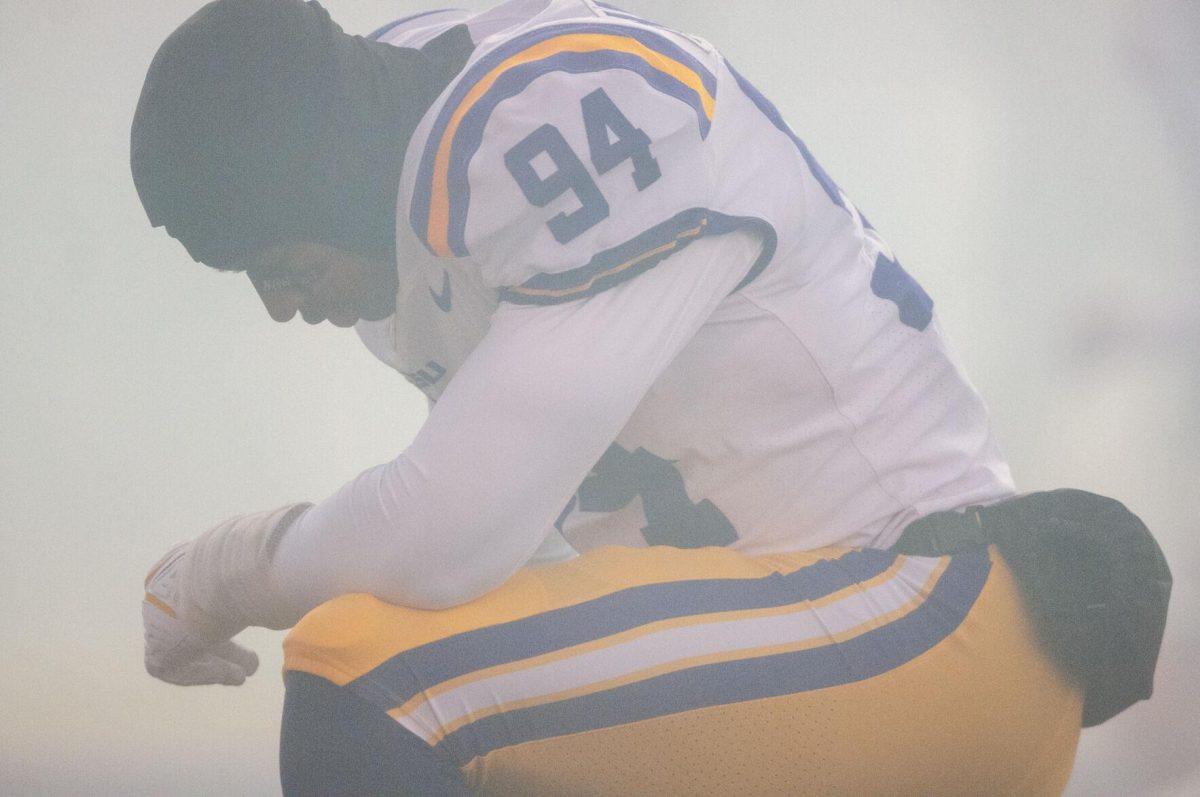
514,434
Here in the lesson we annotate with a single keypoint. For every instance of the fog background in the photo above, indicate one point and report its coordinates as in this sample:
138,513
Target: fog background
1036,166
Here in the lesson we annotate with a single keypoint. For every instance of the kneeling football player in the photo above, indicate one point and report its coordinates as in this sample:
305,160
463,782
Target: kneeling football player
684,402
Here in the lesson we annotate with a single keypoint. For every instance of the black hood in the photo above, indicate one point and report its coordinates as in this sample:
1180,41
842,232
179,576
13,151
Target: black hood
262,122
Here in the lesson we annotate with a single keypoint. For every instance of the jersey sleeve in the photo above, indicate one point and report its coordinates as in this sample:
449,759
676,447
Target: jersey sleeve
572,158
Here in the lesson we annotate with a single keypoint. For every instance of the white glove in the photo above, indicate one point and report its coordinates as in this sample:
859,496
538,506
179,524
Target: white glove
205,591
180,652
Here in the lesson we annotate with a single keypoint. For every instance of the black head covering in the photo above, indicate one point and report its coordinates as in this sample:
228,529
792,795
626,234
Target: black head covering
262,122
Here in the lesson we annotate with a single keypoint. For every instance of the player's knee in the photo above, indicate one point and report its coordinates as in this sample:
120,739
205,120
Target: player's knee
332,741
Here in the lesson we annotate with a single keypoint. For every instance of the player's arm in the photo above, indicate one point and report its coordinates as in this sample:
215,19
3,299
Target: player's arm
505,447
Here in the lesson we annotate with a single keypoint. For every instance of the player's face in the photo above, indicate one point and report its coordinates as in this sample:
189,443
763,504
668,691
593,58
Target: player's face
320,282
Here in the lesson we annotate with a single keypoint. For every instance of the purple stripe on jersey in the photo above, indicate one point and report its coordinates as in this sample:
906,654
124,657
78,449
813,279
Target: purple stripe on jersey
590,279
419,216
391,26
862,657
469,135
769,110
406,674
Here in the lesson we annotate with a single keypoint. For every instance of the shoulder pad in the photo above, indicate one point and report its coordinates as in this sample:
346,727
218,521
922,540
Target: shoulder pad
562,143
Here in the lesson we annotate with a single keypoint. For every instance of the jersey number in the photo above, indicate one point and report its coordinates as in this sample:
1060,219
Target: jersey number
672,518
889,280
612,139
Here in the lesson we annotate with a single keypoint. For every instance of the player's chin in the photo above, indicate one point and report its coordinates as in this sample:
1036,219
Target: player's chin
377,308
338,317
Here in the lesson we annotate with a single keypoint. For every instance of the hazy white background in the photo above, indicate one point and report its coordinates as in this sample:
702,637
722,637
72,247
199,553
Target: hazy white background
1036,165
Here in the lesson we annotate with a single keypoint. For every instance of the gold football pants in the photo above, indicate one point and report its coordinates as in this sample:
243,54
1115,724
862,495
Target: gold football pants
663,671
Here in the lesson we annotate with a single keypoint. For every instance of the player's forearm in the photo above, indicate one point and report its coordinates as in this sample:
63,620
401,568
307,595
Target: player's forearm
433,529
370,537
471,499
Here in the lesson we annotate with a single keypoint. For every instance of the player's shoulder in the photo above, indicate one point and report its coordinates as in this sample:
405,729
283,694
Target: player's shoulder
416,30
563,135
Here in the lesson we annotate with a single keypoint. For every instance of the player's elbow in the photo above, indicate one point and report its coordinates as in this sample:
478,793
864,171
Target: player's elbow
444,589
442,579
444,594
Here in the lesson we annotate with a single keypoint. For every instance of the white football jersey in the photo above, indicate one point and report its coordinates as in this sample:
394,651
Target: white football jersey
580,149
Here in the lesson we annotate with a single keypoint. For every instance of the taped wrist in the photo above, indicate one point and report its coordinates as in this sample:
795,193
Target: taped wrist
226,582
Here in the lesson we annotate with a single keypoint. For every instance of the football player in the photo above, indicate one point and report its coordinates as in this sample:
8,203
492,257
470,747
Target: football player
683,399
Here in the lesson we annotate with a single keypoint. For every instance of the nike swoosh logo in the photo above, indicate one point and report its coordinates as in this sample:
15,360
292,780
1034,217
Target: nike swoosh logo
442,300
